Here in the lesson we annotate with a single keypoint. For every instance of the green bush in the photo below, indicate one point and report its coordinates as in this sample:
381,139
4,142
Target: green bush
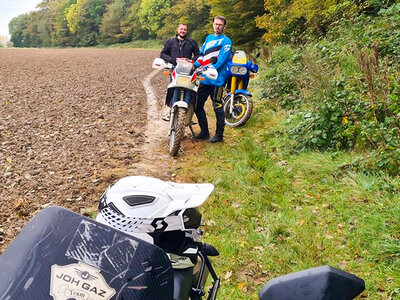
345,90
279,80
383,30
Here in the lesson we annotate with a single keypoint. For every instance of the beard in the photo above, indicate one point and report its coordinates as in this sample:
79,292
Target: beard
182,35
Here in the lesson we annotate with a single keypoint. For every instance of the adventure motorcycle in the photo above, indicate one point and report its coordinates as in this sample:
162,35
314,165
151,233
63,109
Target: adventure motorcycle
61,255
181,96
238,105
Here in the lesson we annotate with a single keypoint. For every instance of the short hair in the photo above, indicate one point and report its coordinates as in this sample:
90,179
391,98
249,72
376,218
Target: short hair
222,18
182,24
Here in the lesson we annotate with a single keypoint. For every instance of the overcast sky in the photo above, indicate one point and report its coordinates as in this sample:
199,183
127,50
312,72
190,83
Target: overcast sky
11,8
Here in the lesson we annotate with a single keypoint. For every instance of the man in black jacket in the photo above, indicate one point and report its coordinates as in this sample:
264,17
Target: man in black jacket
180,46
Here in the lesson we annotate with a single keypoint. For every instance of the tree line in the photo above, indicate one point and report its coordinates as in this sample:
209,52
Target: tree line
82,23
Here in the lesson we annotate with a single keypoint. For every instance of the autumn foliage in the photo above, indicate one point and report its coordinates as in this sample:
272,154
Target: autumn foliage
93,22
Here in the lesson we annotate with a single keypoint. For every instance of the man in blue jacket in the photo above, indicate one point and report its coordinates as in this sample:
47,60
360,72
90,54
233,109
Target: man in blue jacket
220,46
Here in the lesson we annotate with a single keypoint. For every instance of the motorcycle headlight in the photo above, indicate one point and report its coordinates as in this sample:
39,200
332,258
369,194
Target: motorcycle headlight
242,70
235,70
238,70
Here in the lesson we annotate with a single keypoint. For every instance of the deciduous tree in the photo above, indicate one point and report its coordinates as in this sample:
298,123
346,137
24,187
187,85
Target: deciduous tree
152,14
110,29
84,19
241,19
194,13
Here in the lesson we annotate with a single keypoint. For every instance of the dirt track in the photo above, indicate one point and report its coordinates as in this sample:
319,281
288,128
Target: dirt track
71,122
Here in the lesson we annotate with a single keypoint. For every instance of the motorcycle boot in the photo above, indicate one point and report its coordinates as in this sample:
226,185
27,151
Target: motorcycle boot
219,132
202,136
204,133
216,138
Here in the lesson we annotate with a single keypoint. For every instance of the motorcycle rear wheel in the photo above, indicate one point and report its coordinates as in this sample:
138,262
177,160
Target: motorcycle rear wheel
242,109
177,131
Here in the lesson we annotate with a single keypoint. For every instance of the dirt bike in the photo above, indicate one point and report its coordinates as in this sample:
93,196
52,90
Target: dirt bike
238,105
144,246
181,96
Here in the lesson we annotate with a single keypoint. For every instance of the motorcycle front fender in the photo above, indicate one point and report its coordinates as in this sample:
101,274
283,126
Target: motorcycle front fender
243,92
181,104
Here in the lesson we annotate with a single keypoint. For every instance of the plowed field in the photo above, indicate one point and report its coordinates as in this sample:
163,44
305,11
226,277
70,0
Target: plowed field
72,121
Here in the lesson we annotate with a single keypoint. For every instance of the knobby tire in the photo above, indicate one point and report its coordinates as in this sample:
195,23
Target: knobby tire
238,117
178,131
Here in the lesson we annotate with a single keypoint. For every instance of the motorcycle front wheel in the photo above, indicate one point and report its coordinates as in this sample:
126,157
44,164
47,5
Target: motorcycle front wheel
242,109
177,130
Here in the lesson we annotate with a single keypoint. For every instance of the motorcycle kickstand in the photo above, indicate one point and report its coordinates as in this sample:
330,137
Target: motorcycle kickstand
192,131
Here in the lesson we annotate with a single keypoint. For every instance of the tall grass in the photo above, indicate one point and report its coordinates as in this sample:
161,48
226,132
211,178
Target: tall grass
275,211
313,178
301,185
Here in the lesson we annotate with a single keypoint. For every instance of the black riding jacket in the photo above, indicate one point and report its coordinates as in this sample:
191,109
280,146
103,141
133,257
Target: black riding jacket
172,49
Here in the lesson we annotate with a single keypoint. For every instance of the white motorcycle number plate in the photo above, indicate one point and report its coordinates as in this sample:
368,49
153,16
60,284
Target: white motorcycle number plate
183,81
78,281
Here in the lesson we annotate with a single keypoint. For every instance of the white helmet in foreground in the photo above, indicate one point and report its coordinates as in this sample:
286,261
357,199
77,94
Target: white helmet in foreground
141,205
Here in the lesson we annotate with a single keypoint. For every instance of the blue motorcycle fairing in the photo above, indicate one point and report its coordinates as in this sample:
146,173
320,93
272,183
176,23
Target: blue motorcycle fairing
251,67
231,63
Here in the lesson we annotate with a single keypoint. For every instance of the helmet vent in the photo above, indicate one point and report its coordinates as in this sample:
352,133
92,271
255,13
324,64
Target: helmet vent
114,208
136,200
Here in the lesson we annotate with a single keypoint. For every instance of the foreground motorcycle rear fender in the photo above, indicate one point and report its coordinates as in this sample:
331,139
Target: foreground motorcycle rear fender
243,92
181,104
321,283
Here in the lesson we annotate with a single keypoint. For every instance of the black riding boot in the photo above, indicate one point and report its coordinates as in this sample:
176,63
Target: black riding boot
204,133
219,133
